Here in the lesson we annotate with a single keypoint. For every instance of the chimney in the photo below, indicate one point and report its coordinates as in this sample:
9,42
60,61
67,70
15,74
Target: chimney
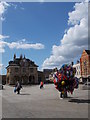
21,57
14,57
24,56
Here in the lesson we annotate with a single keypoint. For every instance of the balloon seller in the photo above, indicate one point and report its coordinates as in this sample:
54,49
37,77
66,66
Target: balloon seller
65,81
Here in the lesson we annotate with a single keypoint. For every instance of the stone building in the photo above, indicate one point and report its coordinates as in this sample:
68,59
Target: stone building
51,78
3,79
22,69
41,77
85,65
46,73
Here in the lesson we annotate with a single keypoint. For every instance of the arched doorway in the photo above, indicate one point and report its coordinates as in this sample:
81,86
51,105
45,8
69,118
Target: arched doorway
31,79
16,78
7,80
24,79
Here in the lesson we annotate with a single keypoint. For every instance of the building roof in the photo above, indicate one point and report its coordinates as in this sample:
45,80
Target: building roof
47,70
21,62
88,52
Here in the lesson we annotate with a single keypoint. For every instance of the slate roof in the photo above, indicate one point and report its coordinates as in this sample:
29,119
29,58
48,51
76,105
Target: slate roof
88,52
17,62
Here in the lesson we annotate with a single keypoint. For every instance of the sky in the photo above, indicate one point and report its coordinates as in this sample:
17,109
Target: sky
50,34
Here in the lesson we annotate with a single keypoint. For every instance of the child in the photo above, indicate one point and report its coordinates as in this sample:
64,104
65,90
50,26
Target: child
41,84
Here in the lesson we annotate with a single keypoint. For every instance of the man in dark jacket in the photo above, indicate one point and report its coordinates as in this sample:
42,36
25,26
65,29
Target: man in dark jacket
18,87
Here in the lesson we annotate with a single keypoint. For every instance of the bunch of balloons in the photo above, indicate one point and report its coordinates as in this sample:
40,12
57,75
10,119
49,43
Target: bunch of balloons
65,78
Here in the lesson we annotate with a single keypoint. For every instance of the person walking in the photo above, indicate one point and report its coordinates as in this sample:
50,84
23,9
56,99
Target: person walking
18,87
41,85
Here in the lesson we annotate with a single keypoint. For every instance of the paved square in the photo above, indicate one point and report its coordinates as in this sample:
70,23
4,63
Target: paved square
34,102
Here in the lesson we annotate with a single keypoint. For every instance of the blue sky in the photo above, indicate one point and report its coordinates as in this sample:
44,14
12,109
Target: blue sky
44,23
36,23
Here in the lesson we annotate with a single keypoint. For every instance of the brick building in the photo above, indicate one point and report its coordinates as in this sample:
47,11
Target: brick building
85,65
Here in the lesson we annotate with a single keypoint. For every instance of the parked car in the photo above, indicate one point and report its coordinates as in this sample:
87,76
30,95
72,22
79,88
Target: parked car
86,86
87,83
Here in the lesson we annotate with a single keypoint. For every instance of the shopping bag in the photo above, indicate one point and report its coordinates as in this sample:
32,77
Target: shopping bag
15,89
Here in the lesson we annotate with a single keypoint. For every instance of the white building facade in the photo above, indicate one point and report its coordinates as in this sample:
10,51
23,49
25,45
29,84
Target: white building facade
78,70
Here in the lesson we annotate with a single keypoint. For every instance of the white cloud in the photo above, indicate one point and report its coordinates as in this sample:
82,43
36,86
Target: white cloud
14,5
76,34
75,39
17,45
2,43
41,1
81,11
3,37
21,44
3,8
1,67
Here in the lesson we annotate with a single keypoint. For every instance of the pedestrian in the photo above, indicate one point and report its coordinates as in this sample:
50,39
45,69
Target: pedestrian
41,84
18,87
56,76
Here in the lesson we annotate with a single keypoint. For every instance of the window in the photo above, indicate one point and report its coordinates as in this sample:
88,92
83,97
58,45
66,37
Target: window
85,67
16,69
24,70
31,70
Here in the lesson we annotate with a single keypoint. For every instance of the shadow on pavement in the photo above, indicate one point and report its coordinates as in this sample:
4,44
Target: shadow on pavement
80,100
24,94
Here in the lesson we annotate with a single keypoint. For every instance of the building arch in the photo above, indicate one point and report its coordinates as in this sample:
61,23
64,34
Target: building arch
31,79
24,79
8,81
16,78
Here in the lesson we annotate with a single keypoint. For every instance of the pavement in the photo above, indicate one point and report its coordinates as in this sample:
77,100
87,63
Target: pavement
0,104
34,102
